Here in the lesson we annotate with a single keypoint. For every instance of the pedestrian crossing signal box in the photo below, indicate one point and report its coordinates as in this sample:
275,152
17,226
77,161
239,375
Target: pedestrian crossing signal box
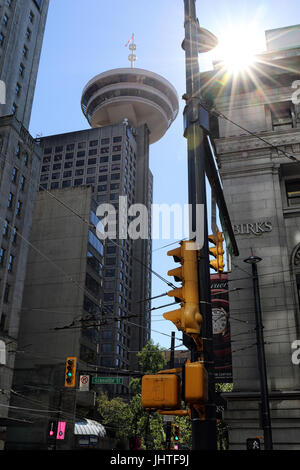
161,392
196,383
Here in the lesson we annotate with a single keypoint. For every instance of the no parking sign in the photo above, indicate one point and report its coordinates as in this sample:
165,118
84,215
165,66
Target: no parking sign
84,383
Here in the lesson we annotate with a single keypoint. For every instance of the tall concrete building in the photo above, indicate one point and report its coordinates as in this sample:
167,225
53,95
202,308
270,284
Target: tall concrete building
262,188
22,25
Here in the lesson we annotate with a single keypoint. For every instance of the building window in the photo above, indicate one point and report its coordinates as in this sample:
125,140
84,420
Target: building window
18,208
90,180
68,164
105,141
2,253
79,172
10,263
28,34
70,147
44,177
25,159
117,139
14,235
2,37
91,171
5,20
18,89
21,70
82,145
22,183
31,17
92,161
57,166
10,200
78,182
105,150
293,192
116,158
14,175
58,158
69,156
93,152
55,176
102,178
5,228
25,52
94,143
81,154
115,176
47,151
54,185
67,174
80,163
14,108
103,159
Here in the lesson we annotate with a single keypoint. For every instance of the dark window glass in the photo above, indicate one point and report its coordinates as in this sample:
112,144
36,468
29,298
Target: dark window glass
80,163
54,185
92,161
116,158
66,184
115,176
81,154
55,176
57,158
57,166
93,143
67,174
79,172
105,141
70,147
117,139
93,152
59,149
90,180
78,182
69,156
293,192
102,178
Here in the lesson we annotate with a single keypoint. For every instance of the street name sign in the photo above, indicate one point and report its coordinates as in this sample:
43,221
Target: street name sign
107,380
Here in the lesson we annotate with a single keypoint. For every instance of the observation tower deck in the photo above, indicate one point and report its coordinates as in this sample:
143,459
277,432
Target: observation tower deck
141,96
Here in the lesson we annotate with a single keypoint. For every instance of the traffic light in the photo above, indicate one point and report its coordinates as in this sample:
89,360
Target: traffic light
70,373
176,432
188,318
52,430
217,252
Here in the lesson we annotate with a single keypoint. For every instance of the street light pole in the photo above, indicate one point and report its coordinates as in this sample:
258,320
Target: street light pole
265,406
203,432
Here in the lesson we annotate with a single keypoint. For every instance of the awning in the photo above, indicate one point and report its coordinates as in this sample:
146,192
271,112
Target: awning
89,427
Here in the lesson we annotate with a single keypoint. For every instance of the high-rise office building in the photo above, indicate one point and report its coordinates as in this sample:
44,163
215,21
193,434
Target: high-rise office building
128,109
22,25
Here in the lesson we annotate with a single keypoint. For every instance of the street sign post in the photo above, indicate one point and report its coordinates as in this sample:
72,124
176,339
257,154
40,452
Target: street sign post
107,380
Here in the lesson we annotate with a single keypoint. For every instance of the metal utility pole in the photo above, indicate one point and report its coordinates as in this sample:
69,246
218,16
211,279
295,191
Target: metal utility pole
204,435
265,406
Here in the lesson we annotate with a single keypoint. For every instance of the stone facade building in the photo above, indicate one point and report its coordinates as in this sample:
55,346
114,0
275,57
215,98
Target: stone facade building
262,189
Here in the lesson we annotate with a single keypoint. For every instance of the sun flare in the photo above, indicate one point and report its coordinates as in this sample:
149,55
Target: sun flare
237,49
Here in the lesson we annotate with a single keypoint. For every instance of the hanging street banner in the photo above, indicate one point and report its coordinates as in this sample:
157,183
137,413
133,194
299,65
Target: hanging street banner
221,328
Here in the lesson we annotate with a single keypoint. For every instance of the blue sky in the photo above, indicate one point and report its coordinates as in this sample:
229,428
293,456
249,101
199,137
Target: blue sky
84,38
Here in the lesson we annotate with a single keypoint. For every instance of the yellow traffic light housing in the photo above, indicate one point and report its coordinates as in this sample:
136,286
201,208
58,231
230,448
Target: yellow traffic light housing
161,392
188,318
217,252
70,372
196,383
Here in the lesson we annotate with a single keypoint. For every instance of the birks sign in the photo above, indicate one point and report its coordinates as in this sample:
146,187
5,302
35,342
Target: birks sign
256,228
